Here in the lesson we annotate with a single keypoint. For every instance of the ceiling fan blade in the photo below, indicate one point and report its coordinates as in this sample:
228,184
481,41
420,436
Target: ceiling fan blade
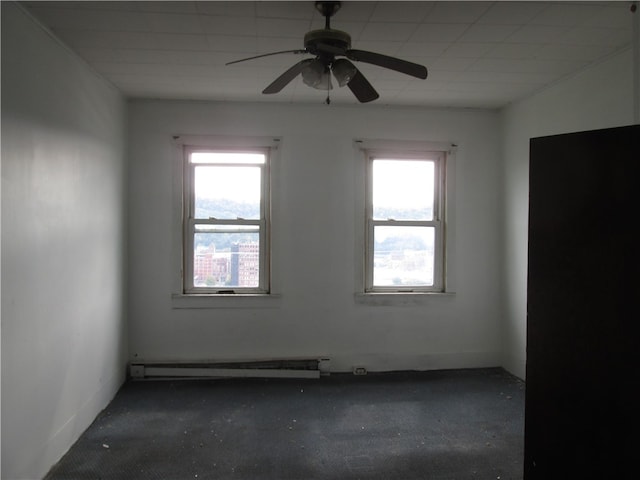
361,88
267,55
385,61
284,79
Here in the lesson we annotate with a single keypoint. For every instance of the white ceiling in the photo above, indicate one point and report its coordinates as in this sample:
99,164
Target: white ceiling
479,54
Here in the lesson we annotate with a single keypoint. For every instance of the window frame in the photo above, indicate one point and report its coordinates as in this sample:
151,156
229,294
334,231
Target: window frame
437,222
190,222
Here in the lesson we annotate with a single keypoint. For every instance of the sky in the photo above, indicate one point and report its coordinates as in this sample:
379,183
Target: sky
239,183
396,183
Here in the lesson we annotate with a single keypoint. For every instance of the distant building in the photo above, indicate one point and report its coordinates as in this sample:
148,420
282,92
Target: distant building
245,259
210,268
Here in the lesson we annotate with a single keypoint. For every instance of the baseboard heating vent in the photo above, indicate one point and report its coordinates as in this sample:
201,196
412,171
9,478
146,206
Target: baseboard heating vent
296,368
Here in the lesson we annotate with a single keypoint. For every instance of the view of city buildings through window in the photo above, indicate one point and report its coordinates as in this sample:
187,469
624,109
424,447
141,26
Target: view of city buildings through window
235,266
403,256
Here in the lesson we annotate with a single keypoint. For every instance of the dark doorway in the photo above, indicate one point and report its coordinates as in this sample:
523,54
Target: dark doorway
582,322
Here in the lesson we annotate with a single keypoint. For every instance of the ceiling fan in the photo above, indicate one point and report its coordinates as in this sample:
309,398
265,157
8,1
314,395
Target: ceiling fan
325,45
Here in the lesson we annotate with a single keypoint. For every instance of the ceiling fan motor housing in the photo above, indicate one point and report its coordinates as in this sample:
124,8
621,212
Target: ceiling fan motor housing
326,36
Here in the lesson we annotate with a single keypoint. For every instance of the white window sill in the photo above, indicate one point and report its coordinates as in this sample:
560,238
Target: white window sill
387,299
234,300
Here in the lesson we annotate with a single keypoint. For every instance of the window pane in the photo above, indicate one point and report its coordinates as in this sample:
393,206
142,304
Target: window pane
226,259
403,189
227,192
403,256
227,157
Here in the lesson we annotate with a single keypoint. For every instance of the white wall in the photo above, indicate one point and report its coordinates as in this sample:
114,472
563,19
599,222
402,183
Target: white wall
63,190
598,97
316,222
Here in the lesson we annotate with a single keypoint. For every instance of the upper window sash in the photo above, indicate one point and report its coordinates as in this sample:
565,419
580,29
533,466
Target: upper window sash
438,161
261,162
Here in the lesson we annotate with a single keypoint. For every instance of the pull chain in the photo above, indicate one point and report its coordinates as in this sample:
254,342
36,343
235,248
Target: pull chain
328,100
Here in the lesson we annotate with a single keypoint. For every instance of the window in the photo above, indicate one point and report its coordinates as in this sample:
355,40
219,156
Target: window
405,233
226,207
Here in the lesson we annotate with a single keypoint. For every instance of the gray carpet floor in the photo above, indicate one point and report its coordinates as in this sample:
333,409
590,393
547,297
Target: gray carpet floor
437,425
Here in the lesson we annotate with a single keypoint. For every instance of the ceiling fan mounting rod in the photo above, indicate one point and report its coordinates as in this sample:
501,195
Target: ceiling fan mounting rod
328,10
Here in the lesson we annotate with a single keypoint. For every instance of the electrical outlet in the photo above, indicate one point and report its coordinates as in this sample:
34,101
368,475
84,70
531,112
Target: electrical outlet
359,371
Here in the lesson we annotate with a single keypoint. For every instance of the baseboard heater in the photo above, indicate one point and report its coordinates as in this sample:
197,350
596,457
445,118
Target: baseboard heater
296,368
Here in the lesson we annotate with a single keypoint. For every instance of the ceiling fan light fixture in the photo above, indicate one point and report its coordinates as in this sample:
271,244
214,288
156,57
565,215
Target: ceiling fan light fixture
317,76
344,71
325,82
